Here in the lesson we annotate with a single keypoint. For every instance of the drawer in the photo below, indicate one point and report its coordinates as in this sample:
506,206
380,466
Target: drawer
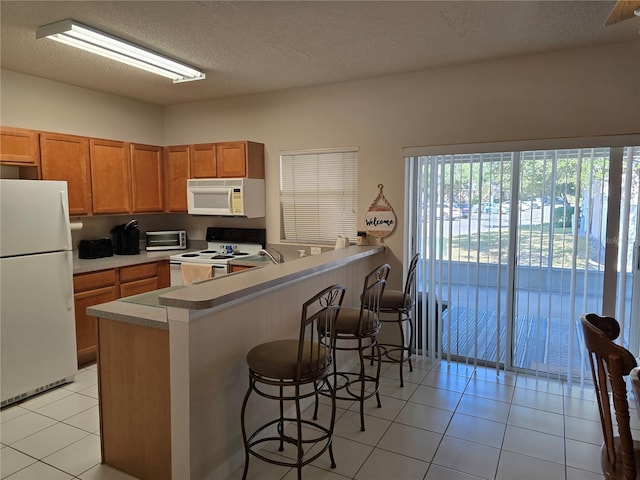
136,272
138,286
90,281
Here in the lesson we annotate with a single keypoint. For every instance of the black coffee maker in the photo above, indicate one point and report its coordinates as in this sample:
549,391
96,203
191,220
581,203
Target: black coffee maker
126,238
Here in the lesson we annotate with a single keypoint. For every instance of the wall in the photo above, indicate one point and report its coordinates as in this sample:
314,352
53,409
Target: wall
583,92
39,104
572,93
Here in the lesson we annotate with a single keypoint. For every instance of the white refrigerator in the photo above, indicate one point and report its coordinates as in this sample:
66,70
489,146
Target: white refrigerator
37,325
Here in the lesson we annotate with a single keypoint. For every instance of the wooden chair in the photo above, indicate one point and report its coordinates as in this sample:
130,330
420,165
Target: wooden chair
620,456
291,370
634,376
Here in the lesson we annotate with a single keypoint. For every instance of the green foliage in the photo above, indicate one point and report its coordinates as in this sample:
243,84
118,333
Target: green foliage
535,247
483,178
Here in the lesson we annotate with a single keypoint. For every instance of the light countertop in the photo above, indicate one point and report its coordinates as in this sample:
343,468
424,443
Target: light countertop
149,308
216,292
82,265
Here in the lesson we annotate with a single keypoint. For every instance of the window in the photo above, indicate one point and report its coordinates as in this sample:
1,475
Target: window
319,195
549,235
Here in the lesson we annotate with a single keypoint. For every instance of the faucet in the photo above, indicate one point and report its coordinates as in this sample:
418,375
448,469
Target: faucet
266,252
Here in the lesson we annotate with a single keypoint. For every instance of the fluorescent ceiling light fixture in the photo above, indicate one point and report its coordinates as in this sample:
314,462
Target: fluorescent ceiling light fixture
86,38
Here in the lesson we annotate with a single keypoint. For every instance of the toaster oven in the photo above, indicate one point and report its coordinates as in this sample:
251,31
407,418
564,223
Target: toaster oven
167,240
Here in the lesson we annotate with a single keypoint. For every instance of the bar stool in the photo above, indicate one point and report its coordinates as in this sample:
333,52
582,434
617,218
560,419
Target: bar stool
280,369
360,326
396,306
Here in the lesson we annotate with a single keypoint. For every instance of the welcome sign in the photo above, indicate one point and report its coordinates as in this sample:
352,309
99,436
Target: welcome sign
380,220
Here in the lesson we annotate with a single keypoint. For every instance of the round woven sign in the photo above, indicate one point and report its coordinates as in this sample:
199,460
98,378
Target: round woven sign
380,221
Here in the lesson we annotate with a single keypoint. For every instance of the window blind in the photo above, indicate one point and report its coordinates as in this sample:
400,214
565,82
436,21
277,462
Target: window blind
318,195
505,285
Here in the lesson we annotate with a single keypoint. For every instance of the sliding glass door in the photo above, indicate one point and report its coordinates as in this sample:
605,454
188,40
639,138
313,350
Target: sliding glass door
515,246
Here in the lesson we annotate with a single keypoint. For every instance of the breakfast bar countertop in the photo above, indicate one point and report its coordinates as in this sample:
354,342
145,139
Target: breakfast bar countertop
149,309
216,292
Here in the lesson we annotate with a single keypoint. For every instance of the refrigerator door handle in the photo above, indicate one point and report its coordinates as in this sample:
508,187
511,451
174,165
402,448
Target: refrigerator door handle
65,210
69,283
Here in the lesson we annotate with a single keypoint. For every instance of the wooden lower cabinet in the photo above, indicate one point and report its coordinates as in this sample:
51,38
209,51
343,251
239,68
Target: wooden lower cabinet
239,268
138,279
135,398
91,289
138,286
105,286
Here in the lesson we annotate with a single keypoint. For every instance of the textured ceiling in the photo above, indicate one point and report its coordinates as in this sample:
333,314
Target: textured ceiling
250,47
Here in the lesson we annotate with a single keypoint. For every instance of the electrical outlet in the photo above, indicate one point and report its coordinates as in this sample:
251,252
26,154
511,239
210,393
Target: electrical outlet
316,250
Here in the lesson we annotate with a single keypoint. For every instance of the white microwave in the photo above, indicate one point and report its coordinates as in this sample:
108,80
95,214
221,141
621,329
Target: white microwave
237,197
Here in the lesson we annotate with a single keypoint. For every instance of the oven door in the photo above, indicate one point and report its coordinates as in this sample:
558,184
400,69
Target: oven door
220,270
175,271
175,274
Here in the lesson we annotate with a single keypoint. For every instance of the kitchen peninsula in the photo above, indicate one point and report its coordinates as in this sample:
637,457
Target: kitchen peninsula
171,363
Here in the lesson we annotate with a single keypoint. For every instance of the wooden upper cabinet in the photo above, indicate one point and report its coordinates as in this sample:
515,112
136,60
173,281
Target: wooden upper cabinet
110,176
146,179
19,147
227,160
66,157
203,161
240,159
176,172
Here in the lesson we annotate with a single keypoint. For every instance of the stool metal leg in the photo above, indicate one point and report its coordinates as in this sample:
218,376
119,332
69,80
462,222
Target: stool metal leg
333,419
299,433
281,423
378,374
244,430
401,349
411,339
360,354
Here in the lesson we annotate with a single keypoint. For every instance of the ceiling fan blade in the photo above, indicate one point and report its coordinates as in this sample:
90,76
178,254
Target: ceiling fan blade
622,10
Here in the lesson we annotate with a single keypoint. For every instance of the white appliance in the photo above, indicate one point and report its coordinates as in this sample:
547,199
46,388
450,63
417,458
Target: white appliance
37,323
167,240
241,197
223,245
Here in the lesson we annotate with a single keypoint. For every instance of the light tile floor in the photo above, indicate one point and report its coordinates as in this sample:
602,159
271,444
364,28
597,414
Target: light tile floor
450,421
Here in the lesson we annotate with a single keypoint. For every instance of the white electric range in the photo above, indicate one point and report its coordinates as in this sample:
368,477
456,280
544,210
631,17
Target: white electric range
223,245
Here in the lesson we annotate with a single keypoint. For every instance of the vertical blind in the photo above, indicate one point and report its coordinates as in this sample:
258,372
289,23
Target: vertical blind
319,195
505,282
